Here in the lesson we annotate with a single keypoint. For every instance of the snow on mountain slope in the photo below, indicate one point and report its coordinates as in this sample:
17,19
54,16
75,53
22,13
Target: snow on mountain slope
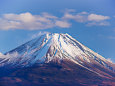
54,47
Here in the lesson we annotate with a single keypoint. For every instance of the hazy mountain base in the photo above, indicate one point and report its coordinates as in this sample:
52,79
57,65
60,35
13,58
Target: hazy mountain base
65,73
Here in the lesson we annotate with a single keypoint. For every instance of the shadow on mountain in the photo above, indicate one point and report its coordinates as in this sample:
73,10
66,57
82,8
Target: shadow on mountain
66,73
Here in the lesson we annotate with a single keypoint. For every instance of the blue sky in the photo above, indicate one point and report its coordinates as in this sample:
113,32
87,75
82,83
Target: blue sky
92,22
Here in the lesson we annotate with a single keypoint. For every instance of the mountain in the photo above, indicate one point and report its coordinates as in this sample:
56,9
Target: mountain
55,60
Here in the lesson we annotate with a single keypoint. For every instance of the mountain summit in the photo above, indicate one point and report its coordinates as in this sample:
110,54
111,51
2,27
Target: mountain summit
54,47
59,49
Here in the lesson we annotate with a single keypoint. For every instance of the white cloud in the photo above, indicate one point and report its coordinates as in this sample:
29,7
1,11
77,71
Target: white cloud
24,17
110,60
89,19
83,12
30,22
15,54
62,24
68,16
1,55
79,17
95,17
45,20
46,15
39,34
5,24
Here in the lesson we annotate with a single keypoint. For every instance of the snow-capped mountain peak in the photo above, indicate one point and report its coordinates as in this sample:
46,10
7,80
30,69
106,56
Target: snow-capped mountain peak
54,47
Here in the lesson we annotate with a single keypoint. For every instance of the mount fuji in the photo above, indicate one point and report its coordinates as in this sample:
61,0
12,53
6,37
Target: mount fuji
55,60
